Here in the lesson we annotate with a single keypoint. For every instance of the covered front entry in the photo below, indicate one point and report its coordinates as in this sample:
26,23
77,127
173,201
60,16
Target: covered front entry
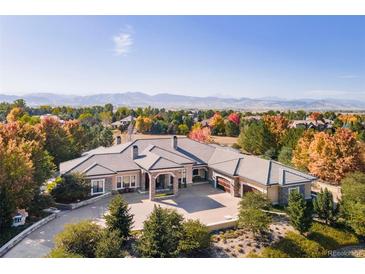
162,182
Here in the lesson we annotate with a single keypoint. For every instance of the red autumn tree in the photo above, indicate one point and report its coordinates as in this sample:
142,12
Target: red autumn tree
234,118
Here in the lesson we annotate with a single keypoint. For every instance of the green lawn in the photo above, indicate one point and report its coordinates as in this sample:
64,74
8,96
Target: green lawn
321,239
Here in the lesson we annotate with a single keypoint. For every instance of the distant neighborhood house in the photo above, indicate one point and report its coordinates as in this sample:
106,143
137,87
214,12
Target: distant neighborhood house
123,122
165,165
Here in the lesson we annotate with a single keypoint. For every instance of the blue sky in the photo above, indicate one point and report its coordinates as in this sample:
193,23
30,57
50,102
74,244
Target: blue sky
236,56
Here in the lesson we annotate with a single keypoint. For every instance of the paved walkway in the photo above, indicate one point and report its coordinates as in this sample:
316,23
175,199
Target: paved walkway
196,202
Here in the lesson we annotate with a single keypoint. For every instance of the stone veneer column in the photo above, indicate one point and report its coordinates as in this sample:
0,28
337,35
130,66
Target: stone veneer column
175,185
152,187
143,181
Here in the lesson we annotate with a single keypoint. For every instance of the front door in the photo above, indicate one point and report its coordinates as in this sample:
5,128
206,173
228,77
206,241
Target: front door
160,182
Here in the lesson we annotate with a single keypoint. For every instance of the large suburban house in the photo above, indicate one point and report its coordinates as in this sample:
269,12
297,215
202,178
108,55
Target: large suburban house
165,165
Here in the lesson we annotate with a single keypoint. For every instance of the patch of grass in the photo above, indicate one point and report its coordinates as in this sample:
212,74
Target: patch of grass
160,195
332,238
295,246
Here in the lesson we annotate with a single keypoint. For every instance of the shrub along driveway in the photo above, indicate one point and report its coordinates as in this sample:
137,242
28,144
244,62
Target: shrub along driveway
197,202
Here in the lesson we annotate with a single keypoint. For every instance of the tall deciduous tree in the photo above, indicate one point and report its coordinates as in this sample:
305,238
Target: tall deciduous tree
301,154
200,134
277,125
328,156
57,143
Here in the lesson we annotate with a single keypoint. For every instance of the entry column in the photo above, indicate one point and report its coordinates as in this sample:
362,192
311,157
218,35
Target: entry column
152,187
175,184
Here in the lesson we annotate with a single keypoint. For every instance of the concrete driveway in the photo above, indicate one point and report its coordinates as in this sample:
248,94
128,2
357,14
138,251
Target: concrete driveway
201,202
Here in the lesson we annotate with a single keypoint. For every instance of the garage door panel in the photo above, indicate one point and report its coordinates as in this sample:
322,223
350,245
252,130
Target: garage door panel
224,184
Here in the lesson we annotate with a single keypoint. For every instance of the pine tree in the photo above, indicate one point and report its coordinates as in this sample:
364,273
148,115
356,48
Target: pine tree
162,232
324,207
119,217
300,212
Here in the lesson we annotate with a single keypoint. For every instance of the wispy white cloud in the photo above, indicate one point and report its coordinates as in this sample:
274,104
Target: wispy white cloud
123,41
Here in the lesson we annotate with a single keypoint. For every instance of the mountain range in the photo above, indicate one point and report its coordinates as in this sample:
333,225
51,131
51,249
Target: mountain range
172,101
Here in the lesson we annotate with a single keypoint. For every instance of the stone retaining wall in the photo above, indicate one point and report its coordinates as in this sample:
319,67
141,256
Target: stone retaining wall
73,206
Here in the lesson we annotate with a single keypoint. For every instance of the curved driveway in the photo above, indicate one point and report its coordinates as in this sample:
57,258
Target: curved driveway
201,202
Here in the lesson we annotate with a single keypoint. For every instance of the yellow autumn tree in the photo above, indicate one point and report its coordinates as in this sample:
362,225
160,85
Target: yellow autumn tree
301,156
277,125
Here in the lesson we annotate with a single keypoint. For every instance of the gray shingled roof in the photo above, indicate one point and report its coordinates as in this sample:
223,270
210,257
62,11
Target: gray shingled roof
159,154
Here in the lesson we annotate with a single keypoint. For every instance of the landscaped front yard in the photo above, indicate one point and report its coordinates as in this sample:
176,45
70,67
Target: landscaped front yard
238,243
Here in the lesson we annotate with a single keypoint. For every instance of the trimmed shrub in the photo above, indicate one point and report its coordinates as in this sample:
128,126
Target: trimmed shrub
251,216
196,237
331,238
270,252
109,245
71,188
81,238
119,217
61,253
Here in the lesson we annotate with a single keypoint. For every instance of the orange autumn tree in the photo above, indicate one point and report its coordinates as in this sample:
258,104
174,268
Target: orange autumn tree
328,156
200,134
216,123
277,125
16,171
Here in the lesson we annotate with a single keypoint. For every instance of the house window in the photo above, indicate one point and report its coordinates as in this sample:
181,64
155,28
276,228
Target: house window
294,189
195,172
97,186
183,175
126,181
119,182
133,181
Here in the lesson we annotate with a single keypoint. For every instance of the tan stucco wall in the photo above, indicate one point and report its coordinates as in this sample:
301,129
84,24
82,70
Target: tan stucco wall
273,194
308,190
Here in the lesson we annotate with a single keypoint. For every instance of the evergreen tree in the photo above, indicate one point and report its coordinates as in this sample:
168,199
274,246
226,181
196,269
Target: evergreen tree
353,201
7,208
161,235
119,217
255,138
300,213
251,216
109,245
324,207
